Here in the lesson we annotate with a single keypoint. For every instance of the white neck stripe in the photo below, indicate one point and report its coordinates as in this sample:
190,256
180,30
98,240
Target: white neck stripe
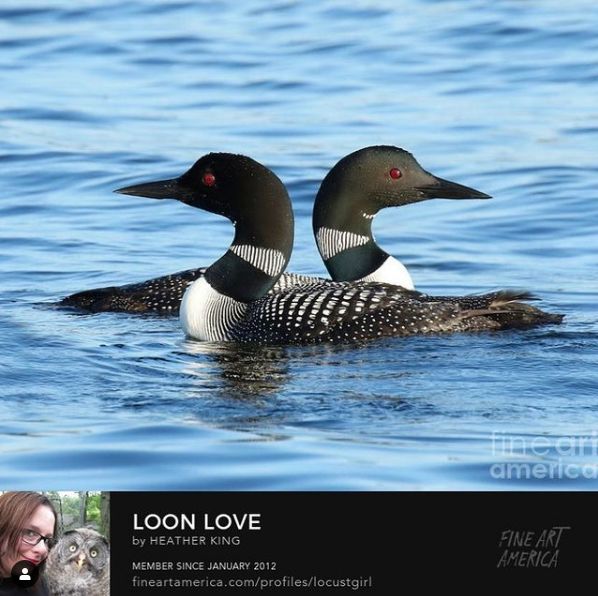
268,260
332,242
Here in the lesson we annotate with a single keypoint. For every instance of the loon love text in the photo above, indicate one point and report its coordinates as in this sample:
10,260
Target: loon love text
183,521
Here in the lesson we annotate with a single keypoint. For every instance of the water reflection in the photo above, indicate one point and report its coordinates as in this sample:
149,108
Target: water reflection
243,372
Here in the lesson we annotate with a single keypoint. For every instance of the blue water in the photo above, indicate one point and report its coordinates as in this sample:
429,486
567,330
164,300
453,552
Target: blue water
501,96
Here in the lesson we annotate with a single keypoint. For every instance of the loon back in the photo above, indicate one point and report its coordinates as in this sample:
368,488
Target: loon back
160,296
345,313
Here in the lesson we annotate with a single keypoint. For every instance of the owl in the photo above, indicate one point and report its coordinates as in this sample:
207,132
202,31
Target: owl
79,565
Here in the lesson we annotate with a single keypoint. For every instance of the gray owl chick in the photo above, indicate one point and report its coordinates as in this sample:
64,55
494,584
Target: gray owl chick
79,565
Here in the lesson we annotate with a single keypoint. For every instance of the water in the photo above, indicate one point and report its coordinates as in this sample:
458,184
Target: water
501,96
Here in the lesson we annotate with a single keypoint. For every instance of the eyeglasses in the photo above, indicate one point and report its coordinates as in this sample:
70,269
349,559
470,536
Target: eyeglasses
32,537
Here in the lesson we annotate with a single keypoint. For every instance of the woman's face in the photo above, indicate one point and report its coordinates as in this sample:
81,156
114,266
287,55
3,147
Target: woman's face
41,522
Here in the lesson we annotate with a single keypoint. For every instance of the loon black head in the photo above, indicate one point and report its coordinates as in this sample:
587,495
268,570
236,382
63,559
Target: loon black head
382,176
235,186
255,200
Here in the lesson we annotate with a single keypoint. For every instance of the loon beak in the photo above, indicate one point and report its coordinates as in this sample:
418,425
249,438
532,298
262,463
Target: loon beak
445,189
162,189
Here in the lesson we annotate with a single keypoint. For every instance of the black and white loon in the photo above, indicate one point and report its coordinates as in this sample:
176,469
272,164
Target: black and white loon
231,301
351,194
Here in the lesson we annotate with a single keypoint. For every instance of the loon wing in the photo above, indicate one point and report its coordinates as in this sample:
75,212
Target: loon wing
341,312
161,295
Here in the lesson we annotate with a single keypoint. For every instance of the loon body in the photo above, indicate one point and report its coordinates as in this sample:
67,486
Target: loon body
349,198
233,299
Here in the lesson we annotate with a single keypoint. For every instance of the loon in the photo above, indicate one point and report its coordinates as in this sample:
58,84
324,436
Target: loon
231,300
350,196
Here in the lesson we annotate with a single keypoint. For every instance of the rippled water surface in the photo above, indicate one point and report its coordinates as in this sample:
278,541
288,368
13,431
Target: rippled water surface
502,96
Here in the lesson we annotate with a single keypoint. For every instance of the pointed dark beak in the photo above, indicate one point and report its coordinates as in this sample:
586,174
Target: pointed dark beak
162,189
445,189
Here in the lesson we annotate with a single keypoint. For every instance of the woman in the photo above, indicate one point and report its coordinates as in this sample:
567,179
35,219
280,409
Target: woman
27,530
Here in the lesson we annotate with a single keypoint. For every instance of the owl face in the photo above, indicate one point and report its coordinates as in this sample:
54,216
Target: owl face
85,551
79,564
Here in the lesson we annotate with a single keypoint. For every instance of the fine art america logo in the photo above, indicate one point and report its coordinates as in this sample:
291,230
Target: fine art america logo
531,548
544,458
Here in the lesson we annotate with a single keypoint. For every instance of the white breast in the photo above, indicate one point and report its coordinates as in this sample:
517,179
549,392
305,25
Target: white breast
208,315
393,272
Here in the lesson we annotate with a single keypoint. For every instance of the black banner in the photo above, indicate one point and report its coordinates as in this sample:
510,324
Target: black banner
373,543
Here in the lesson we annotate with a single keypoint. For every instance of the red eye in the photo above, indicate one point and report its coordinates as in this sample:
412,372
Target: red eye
208,179
395,173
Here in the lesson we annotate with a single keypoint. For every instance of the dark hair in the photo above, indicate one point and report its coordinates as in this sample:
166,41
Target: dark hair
16,508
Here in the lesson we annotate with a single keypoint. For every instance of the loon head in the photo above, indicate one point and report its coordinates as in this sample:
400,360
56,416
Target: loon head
382,176
255,200
234,186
